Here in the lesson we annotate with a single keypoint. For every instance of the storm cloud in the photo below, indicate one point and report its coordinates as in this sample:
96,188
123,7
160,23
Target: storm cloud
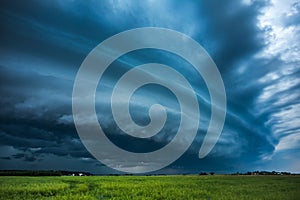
255,45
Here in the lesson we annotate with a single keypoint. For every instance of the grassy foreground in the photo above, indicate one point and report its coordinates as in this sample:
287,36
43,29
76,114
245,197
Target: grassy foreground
151,187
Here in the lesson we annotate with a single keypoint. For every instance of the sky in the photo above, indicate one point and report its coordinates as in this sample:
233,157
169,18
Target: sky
255,45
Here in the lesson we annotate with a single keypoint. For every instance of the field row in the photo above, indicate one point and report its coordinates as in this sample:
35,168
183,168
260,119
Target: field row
151,187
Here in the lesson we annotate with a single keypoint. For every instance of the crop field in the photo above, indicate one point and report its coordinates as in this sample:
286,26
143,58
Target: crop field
151,187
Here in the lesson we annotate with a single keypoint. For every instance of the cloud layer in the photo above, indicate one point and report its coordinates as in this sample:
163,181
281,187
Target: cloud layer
255,45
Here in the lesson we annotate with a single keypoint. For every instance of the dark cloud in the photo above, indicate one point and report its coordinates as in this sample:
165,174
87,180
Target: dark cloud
230,32
42,47
5,158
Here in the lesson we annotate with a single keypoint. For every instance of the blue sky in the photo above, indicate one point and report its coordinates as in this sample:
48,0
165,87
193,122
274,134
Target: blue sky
255,45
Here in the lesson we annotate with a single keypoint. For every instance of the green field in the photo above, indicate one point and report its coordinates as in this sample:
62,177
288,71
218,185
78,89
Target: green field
151,187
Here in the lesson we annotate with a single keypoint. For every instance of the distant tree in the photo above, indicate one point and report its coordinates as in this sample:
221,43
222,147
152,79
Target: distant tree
212,173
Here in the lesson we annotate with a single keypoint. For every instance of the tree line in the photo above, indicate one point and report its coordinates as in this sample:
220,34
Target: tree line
42,173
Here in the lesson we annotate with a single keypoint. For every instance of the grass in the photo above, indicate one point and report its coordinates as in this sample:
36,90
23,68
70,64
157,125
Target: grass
151,187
